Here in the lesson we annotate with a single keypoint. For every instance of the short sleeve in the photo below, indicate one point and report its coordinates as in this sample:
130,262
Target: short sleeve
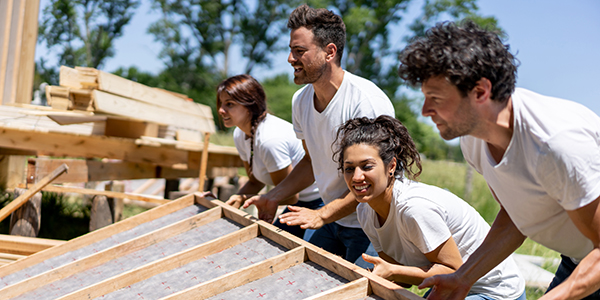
569,168
241,144
424,224
296,115
275,154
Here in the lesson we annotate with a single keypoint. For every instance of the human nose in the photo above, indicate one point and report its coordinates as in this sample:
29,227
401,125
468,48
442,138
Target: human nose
358,175
291,58
427,110
221,110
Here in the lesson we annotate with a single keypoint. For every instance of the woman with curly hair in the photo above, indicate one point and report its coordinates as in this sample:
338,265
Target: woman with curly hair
417,229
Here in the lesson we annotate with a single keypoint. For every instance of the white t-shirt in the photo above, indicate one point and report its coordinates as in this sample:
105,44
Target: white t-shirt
356,97
275,148
421,218
551,165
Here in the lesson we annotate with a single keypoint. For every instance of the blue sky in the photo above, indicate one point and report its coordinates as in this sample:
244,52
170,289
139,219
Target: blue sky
557,43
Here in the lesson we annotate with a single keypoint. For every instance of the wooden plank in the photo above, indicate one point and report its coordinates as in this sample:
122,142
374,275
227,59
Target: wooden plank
109,254
242,276
354,290
5,26
12,170
81,170
14,56
138,110
333,263
27,56
127,88
130,128
71,145
72,78
21,245
165,264
203,163
100,234
22,199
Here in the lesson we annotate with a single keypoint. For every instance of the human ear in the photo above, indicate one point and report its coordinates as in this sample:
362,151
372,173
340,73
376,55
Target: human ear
482,90
392,166
331,50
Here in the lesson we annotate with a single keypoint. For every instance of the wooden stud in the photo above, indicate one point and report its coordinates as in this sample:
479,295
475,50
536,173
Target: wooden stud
109,254
354,290
163,265
100,234
203,163
242,276
100,214
13,205
21,245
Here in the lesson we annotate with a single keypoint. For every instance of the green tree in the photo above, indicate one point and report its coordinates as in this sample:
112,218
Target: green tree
82,31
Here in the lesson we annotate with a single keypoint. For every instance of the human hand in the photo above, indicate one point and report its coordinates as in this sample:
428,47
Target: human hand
207,194
381,267
448,286
236,200
267,208
306,218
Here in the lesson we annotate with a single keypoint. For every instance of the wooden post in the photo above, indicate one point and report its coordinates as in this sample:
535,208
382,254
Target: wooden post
12,206
12,171
115,203
203,163
26,220
100,214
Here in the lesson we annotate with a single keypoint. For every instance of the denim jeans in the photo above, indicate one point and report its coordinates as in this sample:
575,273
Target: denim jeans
349,243
296,230
565,269
481,296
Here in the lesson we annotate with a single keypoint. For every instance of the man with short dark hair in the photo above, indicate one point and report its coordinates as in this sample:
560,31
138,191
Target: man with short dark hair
331,96
539,155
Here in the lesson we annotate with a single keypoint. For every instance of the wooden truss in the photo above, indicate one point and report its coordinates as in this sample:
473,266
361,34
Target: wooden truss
191,248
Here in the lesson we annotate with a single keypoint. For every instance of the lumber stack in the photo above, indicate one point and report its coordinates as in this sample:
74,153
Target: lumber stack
153,112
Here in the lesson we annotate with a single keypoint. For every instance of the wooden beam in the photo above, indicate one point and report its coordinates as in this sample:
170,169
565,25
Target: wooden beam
137,110
99,234
110,194
6,16
242,276
163,265
21,245
22,199
356,289
81,170
71,145
203,163
109,254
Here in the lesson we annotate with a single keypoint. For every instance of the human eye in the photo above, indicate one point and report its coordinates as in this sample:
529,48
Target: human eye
349,169
368,167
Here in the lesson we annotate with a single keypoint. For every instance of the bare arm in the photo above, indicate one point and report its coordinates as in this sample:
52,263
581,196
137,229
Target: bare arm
250,188
298,179
585,279
315,219
489,254
277,177
444,260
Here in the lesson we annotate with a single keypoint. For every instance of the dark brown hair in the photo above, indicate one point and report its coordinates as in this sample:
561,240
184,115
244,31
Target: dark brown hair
326,26
246,91
386,134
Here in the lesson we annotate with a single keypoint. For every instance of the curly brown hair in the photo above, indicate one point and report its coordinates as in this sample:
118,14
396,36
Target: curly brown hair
386,134
463,54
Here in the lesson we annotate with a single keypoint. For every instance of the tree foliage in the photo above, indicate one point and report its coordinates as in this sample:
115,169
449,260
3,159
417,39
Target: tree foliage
83,31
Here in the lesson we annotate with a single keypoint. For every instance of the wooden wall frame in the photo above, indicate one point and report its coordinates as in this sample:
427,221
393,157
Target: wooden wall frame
359,283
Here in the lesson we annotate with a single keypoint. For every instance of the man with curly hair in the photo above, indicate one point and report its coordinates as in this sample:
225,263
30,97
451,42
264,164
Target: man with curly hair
539,155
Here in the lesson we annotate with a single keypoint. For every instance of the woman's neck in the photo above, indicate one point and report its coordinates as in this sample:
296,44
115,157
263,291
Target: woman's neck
381,204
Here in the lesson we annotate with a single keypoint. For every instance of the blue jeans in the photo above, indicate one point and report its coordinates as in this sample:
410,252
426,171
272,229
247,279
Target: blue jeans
565,269
296,230
349,243
481,296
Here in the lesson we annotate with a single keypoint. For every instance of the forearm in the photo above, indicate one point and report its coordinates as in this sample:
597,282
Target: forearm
300,178
584,280
502,240
251,187
338,208
416,275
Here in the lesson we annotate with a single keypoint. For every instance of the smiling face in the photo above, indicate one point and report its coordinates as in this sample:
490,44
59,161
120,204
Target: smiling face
451,112
232,113
306,57
365,173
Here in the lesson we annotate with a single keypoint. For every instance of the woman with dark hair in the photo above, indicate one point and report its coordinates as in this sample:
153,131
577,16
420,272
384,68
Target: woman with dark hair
267,144
418,230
